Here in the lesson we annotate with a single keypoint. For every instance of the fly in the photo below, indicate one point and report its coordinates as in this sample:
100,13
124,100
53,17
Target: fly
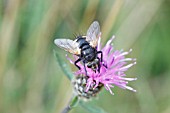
85,47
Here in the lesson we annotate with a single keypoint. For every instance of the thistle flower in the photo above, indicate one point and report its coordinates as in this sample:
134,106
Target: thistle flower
113,75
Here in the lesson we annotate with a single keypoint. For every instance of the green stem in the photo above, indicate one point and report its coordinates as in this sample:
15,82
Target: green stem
66,109
73,103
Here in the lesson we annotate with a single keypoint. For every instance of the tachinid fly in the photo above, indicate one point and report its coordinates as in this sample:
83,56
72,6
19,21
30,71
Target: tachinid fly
85,47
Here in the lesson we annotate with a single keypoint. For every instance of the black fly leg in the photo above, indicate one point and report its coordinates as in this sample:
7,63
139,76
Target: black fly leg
98,65
84,67
75,63
101,56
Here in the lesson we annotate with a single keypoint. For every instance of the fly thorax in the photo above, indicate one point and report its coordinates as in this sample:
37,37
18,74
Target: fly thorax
89,54
90,57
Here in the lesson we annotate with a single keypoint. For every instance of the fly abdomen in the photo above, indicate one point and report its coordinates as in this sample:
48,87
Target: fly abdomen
81,41
85,47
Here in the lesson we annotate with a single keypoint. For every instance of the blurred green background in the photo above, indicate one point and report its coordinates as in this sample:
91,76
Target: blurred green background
31,80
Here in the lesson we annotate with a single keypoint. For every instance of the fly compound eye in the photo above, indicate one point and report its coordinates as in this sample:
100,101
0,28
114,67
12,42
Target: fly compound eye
96,60
89,65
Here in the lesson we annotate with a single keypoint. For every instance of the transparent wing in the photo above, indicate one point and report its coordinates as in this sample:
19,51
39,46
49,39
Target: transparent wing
68,45
93,34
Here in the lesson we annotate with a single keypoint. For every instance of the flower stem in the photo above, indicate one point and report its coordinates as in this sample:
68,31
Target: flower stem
73,102
66,109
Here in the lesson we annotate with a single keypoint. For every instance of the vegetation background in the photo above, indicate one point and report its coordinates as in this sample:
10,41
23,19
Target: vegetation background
31,80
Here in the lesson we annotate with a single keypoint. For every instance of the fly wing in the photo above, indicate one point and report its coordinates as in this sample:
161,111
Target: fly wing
93,34
68,45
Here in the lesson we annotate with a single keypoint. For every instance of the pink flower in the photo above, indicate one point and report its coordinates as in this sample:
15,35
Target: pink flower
114,74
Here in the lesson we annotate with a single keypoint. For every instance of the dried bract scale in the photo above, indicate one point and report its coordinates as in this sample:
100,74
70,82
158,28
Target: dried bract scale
79,84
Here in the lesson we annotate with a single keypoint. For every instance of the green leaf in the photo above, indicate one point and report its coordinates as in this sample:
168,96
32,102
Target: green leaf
74,102
91,108
64,66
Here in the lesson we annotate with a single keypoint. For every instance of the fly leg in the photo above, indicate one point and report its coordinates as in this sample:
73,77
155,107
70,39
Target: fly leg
98,64
75,63
84,67
101,55
101,58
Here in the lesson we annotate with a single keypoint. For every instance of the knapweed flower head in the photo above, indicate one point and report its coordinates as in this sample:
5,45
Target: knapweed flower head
112,72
